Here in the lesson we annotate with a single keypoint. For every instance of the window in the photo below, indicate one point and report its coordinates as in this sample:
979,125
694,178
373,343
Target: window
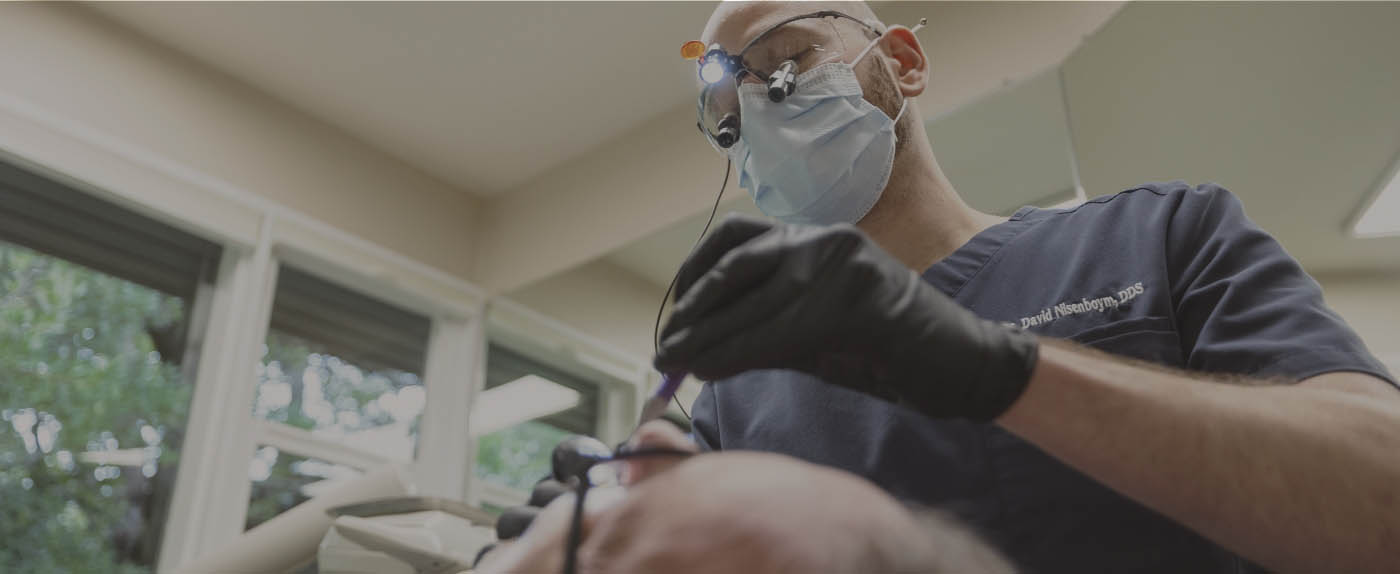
513,452
339,390
281,481
97,309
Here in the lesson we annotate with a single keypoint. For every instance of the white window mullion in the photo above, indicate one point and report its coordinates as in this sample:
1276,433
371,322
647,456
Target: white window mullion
451,380
621,405
231,504
201,428
211,491
469,490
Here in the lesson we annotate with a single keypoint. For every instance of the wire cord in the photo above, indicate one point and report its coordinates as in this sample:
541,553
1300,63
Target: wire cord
581,483
656,329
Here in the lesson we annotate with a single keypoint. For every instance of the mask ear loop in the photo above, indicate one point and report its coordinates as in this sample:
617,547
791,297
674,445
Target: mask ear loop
866,50
904,104
880,35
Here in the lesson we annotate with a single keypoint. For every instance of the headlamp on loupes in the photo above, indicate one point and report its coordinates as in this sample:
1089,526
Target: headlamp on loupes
774,58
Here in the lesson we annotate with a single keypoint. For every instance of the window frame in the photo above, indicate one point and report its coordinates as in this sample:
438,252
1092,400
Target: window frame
620,376
225,417
130,244
257,234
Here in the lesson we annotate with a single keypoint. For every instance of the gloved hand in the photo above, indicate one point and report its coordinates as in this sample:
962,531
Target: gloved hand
565,462
514,520
757,294
568,459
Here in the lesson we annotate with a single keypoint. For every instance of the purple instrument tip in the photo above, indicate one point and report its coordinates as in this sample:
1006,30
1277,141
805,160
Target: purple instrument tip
656,405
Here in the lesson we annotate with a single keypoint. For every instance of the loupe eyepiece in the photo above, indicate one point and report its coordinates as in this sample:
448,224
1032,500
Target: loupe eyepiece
728,130
782,82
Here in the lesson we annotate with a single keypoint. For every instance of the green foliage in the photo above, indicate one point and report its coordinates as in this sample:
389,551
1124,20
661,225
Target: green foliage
302,384
279,491
343,395
518,456
78,373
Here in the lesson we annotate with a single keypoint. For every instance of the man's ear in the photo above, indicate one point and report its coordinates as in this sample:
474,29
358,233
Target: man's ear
911,73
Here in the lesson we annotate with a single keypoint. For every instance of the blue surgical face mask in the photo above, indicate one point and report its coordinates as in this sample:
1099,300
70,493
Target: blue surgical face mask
821,156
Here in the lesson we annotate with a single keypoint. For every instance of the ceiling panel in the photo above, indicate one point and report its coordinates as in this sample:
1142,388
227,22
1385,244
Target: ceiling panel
1294,107
482,94
1009,148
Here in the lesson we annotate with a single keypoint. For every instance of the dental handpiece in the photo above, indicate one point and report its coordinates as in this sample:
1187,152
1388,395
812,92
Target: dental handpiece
655,406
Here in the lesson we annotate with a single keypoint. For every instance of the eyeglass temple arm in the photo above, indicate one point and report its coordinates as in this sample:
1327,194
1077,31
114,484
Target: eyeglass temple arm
819,14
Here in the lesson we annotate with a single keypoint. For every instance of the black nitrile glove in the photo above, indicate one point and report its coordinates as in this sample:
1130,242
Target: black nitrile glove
757,294
569,459
514,520
569,463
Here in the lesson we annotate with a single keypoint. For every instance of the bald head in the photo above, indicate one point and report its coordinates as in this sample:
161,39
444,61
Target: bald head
918,217
734,23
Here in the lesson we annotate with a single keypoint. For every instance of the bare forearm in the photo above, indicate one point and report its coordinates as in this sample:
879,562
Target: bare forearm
1296,478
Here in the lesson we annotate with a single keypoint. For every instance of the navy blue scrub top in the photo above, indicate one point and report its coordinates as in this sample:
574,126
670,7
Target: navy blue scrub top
1164,273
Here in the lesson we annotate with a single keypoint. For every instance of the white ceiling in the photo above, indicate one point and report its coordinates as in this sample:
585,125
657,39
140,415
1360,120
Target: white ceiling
482,95
1294,107
486,96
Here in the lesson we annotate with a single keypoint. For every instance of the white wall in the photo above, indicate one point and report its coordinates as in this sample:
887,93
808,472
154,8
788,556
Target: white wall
62,66
647,179
607,302
1371,305
600,299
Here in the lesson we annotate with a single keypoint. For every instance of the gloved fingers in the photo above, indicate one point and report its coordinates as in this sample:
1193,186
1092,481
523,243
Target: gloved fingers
739,273
732,231
546,491
772,344
515,520
682,351
518,518
538,545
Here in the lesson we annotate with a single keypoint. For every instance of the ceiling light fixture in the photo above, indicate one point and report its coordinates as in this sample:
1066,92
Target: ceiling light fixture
1382,217
526,398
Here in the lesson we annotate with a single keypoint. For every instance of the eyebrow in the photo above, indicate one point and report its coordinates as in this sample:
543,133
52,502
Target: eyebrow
789,37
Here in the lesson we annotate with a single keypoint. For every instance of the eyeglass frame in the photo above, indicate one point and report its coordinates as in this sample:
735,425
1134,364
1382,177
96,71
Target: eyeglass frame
734,65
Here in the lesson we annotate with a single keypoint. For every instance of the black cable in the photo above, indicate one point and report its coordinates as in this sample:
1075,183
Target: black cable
681,407
624,454
576,525
582,483
656,329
